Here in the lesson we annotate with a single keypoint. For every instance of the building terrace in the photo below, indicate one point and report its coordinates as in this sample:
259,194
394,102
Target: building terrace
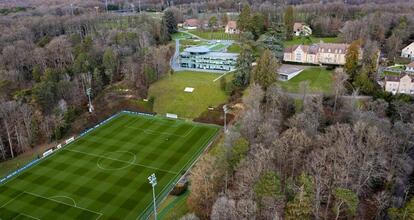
202,58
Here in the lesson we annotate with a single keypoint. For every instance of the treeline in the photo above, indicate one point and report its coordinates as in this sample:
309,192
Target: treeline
47,64
328,158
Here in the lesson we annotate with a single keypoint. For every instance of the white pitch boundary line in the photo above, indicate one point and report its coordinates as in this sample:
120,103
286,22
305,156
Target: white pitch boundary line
77,207
109,158
22,214
11,200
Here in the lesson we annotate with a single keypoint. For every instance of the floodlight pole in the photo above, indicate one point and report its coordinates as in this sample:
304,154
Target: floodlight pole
88,92
153,181
225,120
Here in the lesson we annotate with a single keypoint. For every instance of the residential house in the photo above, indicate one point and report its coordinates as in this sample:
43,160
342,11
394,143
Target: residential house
319,54
301,29
410,67
231,28
408,51
400,84
191,24
202,58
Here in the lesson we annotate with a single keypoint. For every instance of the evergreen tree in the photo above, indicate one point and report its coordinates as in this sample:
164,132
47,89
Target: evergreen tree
273,40
170,22
346,200
244,21
243,67
289,22
110,63
258,25
265,73
98,83
352,60
302,204
212,23
364,83
83,63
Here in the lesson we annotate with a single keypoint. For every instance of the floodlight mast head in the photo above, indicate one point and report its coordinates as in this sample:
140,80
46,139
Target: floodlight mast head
152,180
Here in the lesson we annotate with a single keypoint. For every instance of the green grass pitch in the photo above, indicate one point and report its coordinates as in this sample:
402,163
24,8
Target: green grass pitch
103,175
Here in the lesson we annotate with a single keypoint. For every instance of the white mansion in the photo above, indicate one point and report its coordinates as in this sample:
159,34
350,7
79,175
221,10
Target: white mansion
321,53
400,84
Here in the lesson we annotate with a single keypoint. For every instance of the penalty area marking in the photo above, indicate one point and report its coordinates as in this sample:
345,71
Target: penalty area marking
66,197
50,199
77,207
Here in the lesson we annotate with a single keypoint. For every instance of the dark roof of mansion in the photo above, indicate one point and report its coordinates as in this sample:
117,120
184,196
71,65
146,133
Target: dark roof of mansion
411,64
192,22
334,48
397,78
310,49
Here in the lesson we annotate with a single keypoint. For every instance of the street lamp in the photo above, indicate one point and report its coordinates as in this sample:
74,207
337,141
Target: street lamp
226,110
153,181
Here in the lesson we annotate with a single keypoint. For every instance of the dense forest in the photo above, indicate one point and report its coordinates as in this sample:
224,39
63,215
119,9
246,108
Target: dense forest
329,160
47,63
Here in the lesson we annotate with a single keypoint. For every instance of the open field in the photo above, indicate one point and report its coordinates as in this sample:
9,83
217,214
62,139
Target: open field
311,40
214,35
319,80
15,163
180,35
104,173
170,96
218,47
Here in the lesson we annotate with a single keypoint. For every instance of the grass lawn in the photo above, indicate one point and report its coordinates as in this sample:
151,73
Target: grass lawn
103,174
170,96
214,35
180,35
218,47
190,43
398,67
319,80
174,207
234,48
311,40
7,167
389,73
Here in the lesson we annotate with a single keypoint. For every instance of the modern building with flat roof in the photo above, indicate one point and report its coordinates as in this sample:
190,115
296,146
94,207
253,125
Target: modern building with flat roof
202,58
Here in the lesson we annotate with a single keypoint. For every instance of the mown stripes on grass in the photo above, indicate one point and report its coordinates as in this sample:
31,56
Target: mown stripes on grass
104,173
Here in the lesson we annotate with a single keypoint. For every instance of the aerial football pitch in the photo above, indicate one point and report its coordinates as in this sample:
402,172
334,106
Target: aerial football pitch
103,174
